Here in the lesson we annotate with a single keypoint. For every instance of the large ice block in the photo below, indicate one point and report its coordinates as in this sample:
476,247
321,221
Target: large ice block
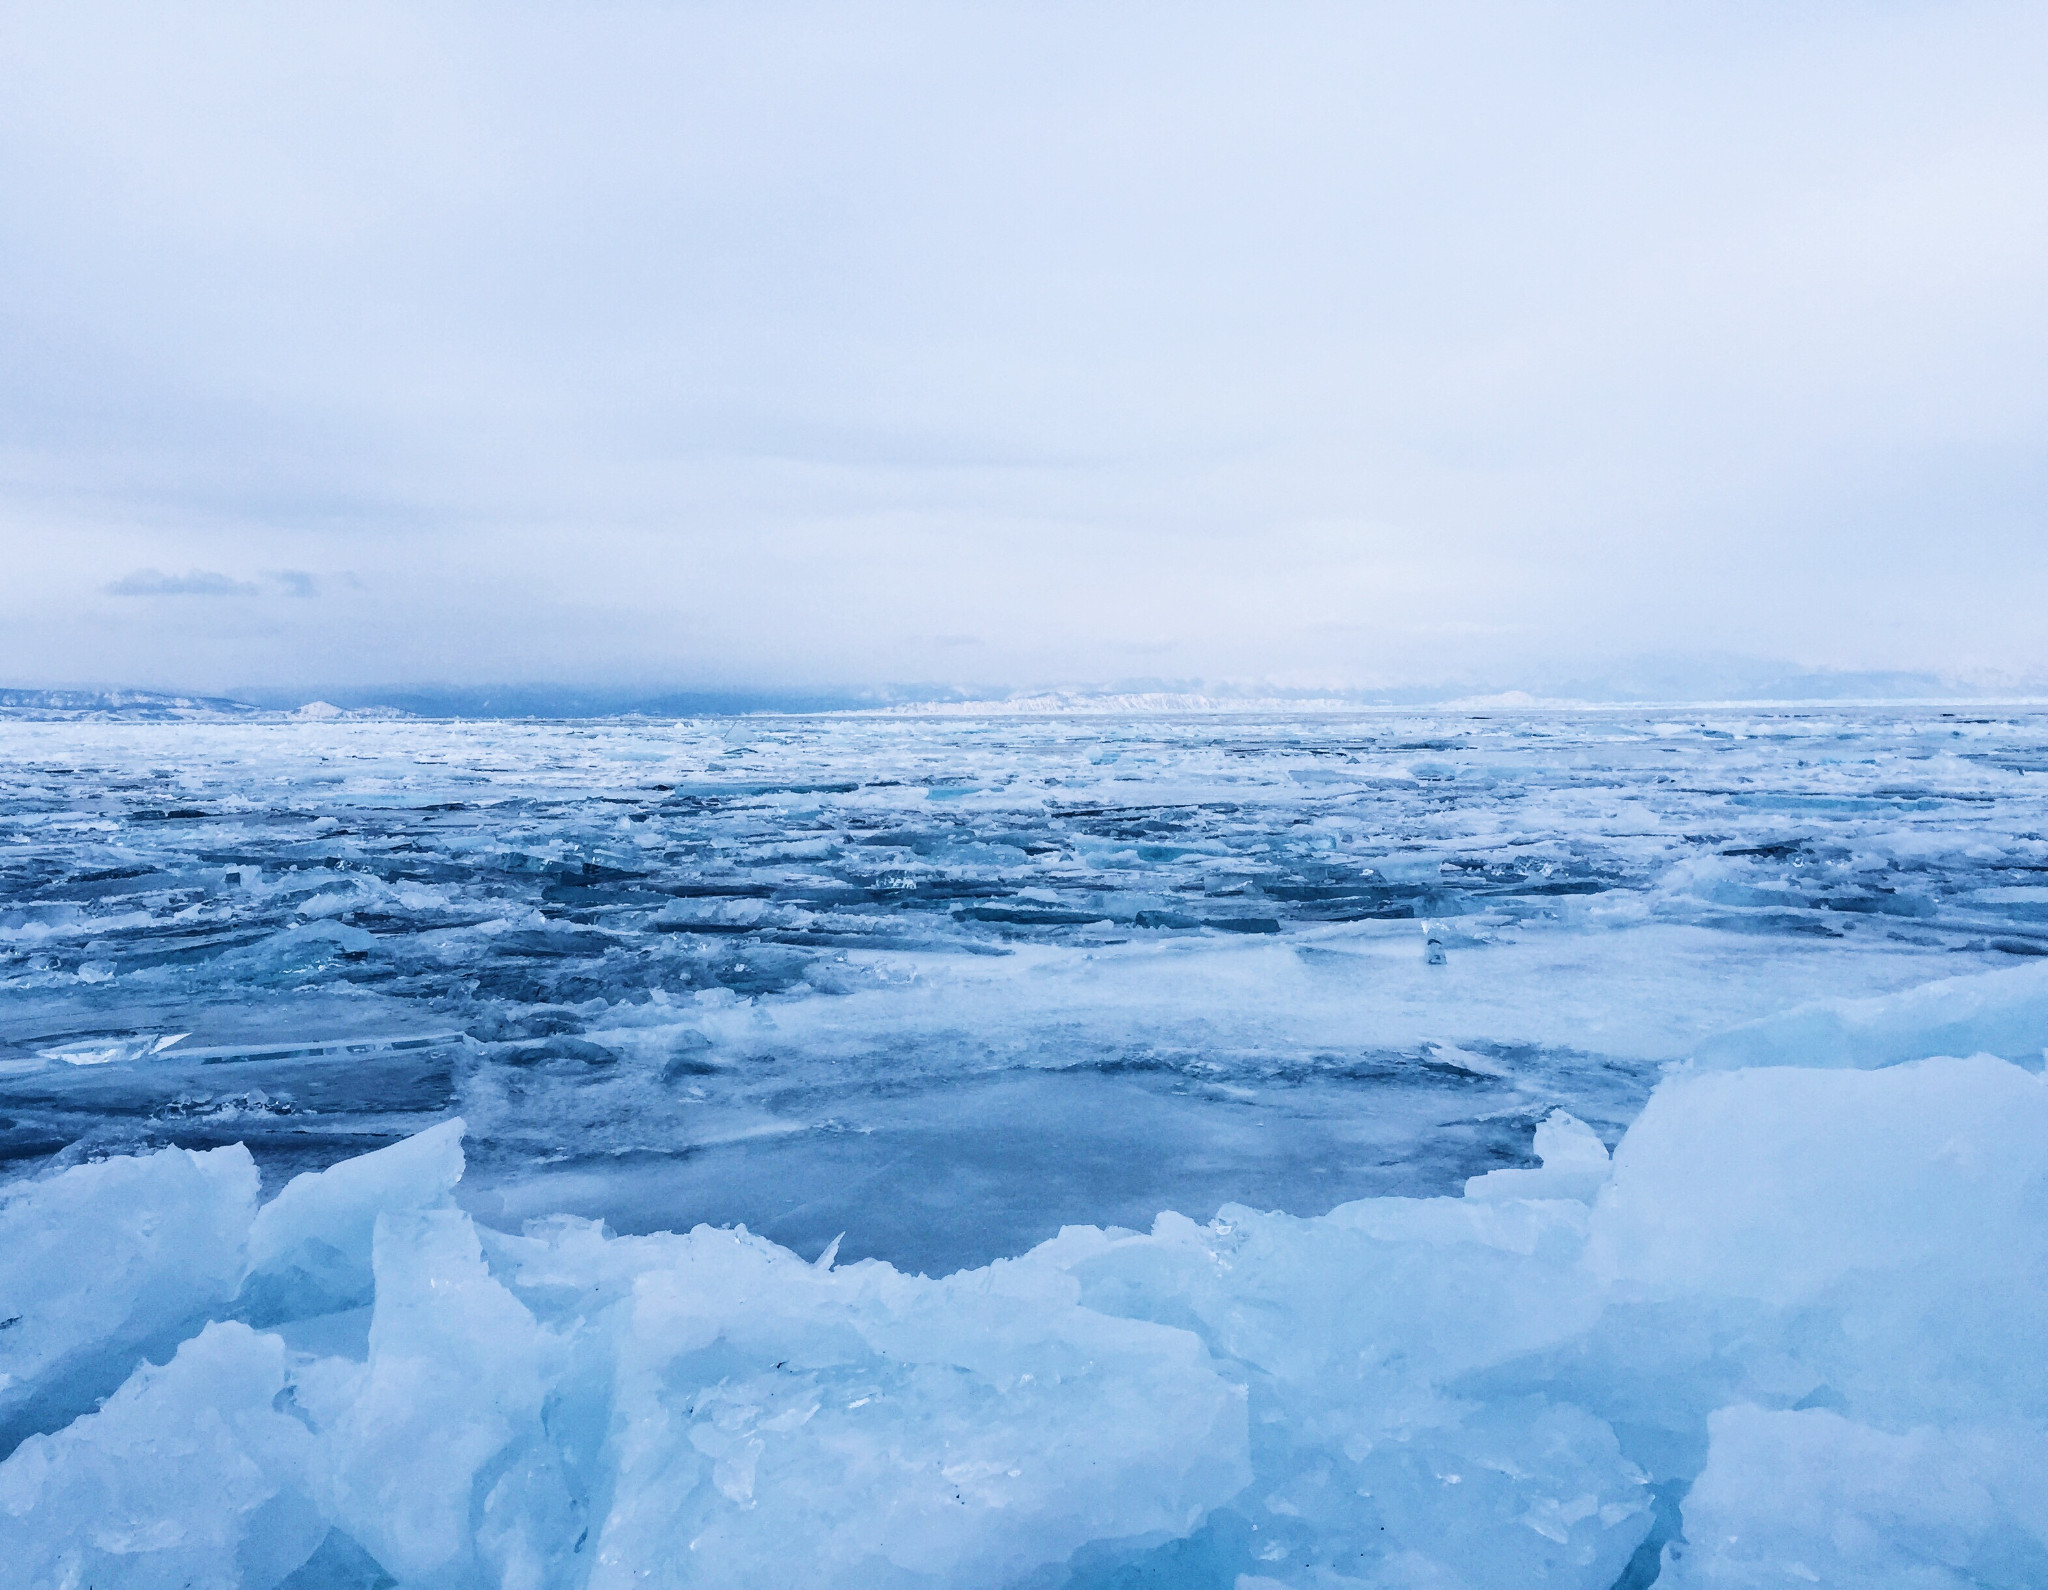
106,1261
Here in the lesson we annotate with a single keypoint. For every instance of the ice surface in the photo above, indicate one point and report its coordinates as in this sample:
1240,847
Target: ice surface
1007,973
2002,1013
1802,1300
1810,1497
310,1249
986,997
109,1261
189,1476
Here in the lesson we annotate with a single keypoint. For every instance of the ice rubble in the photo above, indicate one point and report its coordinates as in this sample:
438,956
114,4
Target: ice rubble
107,1262
1787,1334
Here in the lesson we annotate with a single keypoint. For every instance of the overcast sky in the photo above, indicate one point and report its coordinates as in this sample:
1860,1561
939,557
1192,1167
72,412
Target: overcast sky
747,345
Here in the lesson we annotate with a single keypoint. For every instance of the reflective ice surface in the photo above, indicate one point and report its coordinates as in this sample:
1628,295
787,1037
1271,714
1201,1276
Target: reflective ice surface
948,984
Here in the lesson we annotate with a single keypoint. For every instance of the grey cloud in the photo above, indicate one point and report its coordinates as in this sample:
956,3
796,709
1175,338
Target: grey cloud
199,582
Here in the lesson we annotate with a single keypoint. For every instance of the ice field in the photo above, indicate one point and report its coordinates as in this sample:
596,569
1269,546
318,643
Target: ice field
1128,1198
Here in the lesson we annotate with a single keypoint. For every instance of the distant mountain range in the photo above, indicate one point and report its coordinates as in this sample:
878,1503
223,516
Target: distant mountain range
1662,682
156,706
147,706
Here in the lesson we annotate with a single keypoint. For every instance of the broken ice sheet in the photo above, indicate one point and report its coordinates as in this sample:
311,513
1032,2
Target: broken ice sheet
754,971
948,987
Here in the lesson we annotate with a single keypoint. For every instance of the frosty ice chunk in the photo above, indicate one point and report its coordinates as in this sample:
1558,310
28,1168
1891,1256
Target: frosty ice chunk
1355,1329
1776,1183
106,1261
774,1423
2003,1013
1813,1498
310,1246
189,1476
456,1374
1575,1164
1809,1294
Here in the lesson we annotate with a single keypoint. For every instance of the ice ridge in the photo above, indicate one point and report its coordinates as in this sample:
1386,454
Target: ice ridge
1798,1300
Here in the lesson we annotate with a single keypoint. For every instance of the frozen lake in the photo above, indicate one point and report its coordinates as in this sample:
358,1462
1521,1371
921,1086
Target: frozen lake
948,983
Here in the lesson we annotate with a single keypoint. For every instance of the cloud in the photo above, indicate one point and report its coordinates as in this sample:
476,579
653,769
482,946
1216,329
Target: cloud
197,582
209,582
791,345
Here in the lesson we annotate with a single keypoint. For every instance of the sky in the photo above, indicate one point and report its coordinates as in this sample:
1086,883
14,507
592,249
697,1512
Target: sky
849,346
